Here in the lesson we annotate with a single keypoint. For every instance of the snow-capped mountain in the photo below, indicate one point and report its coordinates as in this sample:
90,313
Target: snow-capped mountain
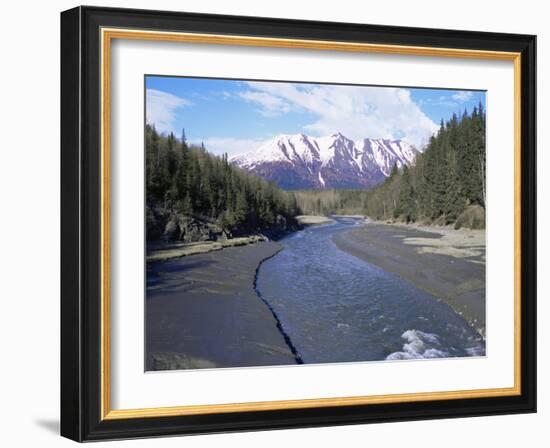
299,161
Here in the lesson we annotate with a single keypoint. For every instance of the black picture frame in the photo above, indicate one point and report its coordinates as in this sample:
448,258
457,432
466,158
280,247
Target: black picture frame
81,224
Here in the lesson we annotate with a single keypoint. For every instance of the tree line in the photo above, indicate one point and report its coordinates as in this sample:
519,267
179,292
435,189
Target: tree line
333,201
446,183
188,180
447,179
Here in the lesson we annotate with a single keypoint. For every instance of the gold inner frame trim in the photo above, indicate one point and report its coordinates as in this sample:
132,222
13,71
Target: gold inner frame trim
107,35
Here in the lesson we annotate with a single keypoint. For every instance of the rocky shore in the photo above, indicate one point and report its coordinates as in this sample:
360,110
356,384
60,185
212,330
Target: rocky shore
167,251
190,236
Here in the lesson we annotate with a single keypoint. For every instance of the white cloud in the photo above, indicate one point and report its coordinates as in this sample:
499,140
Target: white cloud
271,105
231,146
462,96
355,111
161,108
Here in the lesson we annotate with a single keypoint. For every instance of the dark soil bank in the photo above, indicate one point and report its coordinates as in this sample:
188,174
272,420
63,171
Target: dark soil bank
203,312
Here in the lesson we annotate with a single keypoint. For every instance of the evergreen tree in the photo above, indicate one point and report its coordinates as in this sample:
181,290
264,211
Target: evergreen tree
407,204
448,177
186,179
241,206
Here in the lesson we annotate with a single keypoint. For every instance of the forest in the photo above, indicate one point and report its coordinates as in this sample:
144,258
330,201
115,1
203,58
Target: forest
184,183
445,186
332,201
447,183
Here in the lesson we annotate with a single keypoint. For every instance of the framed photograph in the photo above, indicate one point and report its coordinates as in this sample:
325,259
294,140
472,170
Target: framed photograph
274,223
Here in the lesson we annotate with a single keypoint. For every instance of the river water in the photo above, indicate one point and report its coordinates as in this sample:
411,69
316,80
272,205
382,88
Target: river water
335,307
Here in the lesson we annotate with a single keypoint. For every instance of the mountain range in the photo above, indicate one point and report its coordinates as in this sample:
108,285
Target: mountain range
302,162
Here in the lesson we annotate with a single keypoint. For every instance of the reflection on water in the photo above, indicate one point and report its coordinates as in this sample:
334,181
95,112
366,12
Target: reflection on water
337,308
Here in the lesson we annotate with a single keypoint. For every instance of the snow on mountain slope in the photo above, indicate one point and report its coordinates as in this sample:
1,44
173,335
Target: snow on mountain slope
335,161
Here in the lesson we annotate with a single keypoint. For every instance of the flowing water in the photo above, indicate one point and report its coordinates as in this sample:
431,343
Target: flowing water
335,307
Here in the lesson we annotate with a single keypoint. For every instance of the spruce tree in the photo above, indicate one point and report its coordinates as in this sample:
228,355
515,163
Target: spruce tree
187,180
407,205
446,178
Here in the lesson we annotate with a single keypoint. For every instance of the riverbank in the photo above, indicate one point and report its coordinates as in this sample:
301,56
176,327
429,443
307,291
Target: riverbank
203,312
449,264
167,251
313,220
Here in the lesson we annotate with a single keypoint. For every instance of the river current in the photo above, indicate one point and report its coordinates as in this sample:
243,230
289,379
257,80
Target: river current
335,307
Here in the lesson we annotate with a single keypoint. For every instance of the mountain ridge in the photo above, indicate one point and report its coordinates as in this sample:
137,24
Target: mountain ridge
299,161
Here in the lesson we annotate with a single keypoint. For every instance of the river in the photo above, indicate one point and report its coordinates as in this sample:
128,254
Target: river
334,307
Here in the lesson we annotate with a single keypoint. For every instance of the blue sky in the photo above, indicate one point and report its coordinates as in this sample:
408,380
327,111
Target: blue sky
235,116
